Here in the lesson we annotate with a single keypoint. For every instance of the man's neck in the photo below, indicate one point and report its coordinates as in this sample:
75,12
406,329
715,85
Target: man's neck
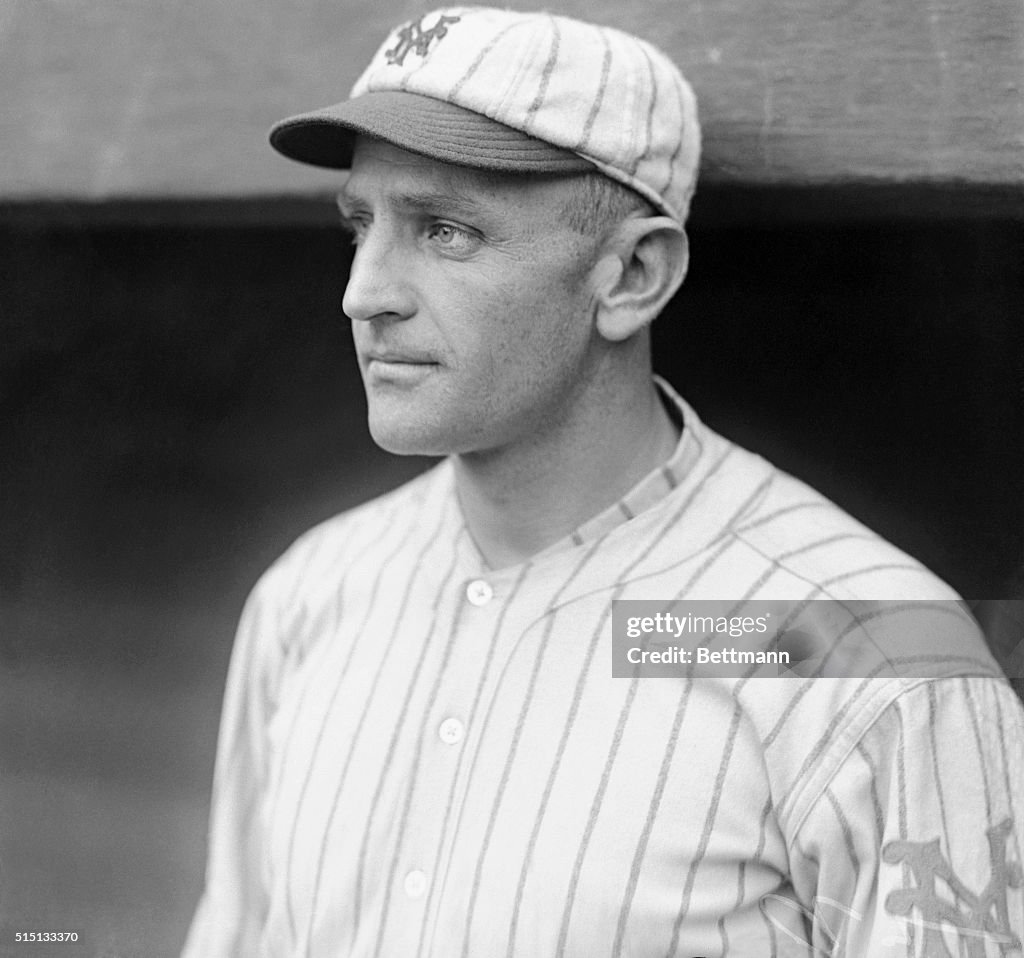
519,500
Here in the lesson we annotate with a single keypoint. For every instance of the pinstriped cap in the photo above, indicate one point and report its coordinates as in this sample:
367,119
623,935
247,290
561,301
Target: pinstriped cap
518,92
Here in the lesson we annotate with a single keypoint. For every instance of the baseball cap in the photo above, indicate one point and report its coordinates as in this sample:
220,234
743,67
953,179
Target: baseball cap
517,92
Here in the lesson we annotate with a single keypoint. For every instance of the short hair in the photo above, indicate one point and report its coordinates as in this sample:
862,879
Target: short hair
597,203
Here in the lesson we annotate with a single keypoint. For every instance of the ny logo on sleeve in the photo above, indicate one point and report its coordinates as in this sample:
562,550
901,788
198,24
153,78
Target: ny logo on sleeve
976,917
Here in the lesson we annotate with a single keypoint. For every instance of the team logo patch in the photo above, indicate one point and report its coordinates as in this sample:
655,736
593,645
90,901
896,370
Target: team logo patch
412,38
978,917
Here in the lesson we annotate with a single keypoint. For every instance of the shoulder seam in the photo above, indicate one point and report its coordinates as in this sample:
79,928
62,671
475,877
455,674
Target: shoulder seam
905,687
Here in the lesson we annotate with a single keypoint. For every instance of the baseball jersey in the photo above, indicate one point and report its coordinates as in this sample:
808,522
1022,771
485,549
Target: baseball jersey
423,757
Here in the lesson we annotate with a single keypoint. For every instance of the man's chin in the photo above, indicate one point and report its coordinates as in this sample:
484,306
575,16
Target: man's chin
407,439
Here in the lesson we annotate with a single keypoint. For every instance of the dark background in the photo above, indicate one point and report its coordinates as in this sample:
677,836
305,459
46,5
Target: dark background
179,399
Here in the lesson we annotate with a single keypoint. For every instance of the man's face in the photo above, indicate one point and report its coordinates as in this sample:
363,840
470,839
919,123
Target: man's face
470,306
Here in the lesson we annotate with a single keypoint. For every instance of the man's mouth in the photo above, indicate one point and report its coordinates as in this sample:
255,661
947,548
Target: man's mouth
398,367
399,359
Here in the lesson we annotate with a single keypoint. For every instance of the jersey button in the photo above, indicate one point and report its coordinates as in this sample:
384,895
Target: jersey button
450,731
479,592
415,883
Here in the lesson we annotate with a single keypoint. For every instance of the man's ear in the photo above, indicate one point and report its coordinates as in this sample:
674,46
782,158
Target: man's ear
643,264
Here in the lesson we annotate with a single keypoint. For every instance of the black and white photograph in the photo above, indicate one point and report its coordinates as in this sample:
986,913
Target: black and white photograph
511,481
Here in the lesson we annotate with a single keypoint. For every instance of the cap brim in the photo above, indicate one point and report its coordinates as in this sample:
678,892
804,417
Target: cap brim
419,124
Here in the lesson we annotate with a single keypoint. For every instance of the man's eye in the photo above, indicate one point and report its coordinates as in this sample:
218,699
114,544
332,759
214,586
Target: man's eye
356,227
450,236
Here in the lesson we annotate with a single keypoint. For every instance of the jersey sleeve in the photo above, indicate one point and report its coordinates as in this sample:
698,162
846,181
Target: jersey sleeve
230,913
914,849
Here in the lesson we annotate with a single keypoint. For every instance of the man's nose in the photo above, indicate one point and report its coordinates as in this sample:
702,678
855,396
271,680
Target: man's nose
378,285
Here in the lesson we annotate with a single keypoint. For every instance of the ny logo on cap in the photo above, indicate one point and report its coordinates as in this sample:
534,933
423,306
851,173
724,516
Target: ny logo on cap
412,38
977,916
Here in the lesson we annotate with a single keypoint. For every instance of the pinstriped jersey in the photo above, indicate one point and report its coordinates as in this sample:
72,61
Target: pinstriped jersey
427,758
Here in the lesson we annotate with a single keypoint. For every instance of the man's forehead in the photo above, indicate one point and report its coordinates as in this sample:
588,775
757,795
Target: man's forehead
375,161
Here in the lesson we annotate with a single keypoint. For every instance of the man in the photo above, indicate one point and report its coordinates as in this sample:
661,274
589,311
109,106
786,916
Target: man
424,751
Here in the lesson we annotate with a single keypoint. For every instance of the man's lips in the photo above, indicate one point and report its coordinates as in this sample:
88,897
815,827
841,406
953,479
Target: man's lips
402,359
401,369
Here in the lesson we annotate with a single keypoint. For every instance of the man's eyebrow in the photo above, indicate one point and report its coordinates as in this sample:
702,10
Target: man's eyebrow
422,201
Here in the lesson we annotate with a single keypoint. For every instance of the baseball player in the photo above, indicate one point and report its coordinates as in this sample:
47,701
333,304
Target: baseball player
423,751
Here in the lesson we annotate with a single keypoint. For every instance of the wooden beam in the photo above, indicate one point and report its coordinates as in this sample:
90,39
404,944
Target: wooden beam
107,100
